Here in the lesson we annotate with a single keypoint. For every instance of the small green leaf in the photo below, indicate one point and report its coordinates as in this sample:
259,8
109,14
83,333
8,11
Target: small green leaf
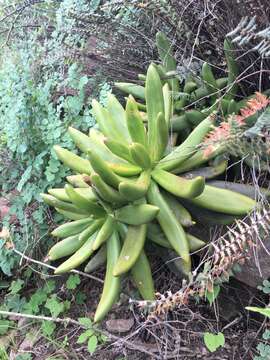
16,286
265,287
55,307
49,286
92,344
263,311
25,356
48,327
24,178
80,298
73,281
66,304
266,335
213,341
103,338
86,322
15,303
4,326
211,296
264,351
84,336
38,298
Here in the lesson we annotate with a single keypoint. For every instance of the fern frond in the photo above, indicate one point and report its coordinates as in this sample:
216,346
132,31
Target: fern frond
237,243
244,31
247,32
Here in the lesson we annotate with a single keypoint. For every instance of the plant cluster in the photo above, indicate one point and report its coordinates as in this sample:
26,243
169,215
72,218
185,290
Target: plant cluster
32,119
196,96
241,128
263,347
132,184
245,135
49,303
142,175
43,91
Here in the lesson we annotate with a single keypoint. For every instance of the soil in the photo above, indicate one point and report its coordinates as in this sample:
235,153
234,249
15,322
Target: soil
178,335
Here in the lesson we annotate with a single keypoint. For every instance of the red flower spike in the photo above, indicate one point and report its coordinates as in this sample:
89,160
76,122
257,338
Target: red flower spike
224,131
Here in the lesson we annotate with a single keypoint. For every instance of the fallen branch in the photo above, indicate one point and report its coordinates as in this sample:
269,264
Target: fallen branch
39,317
68,321
53,267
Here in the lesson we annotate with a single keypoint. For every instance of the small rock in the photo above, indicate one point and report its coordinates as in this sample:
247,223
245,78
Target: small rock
119,325
255,270
147,346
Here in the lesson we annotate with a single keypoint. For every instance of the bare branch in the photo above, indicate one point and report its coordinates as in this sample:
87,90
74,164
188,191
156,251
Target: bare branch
53,267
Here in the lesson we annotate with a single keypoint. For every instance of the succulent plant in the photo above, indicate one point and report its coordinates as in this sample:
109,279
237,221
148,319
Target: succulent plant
196,96
127,189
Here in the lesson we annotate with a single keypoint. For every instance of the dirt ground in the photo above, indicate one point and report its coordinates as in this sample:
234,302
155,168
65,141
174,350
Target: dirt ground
178,335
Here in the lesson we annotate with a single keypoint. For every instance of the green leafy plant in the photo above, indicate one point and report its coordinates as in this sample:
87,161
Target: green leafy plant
90,335
213,341
263,348
265,287
262,311
3,354
47,301
5,325
43,301
213,294
242,125
37,68
31,125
